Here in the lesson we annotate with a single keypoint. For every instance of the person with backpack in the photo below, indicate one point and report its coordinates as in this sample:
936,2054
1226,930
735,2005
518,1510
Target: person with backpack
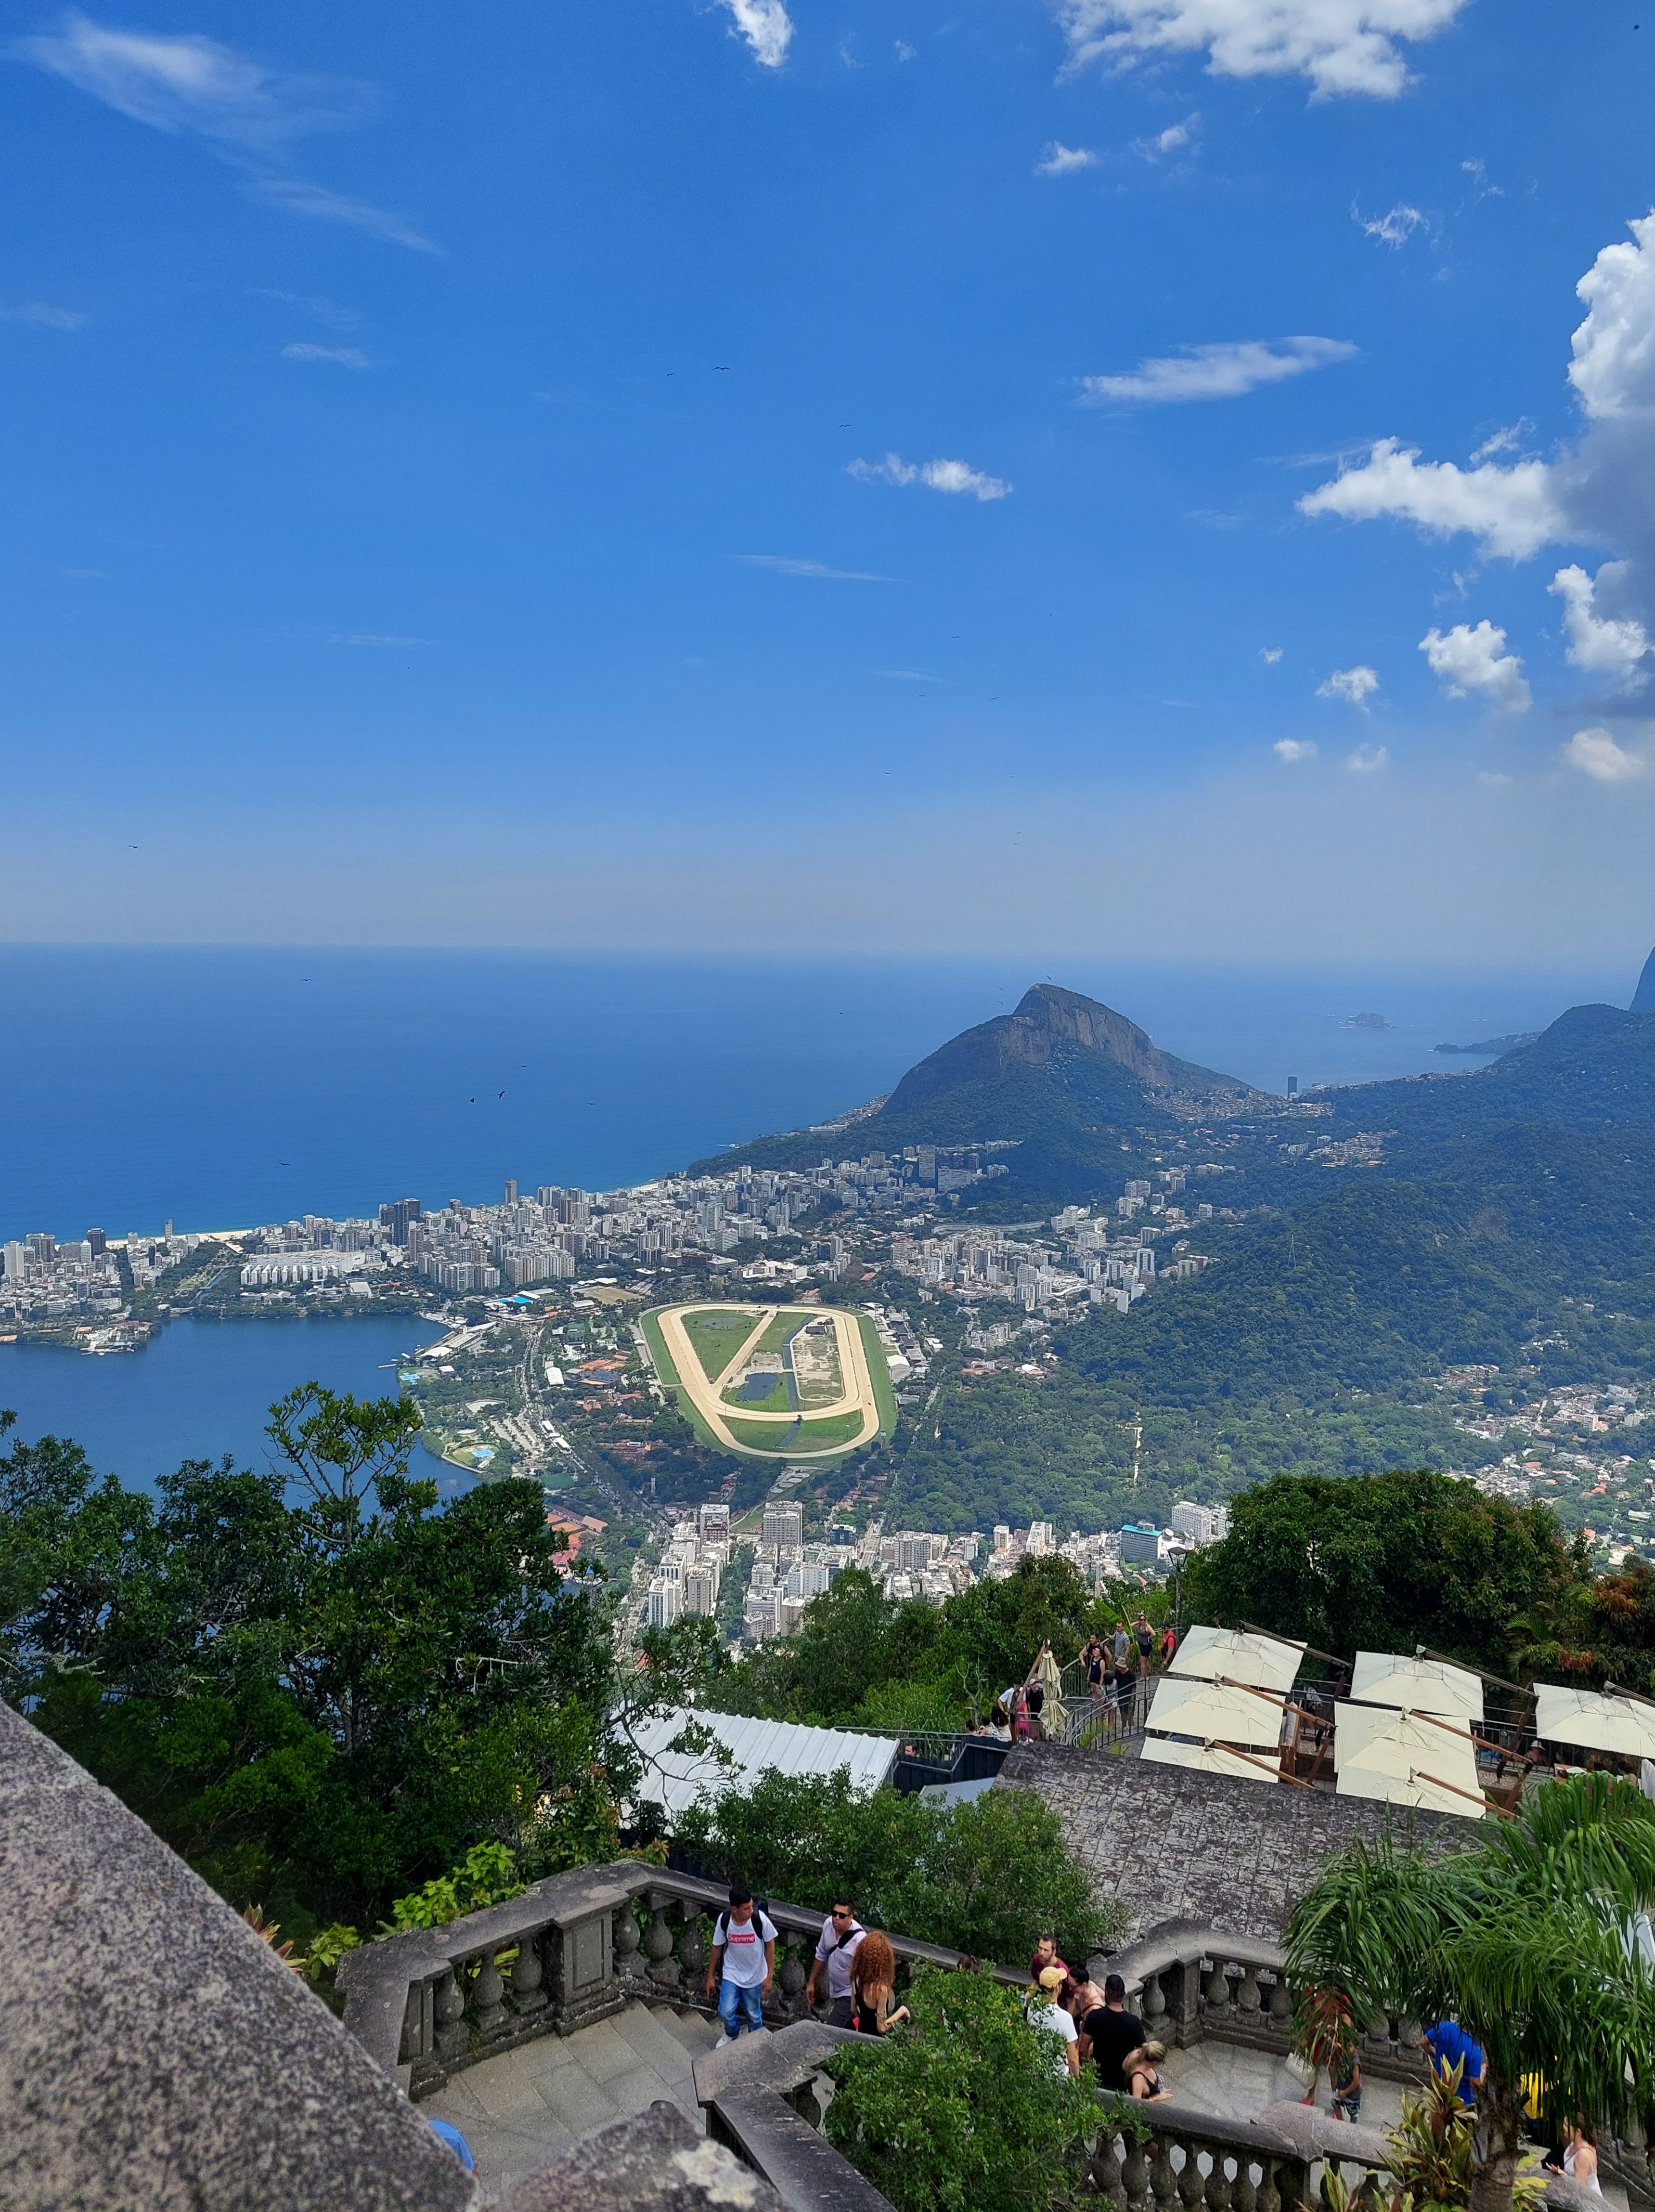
841,1937
744,1947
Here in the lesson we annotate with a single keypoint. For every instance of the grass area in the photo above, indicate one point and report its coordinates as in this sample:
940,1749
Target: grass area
718,1336
828,1429
786,1324
764,1436
884,1395
667,1372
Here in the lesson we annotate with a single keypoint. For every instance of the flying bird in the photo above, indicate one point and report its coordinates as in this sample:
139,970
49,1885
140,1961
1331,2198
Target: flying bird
721,368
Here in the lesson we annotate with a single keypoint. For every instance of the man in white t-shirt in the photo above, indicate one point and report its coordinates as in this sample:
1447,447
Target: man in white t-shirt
1047,2017
744,1943
841,1933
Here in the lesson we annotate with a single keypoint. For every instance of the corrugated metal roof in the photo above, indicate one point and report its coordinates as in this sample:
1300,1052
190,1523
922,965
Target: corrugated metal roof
674,1779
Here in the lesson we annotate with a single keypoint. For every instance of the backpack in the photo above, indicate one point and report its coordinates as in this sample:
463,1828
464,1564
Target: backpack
721,1932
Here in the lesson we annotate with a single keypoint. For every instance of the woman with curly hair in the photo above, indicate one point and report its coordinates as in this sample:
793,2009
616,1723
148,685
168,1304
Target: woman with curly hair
873,1984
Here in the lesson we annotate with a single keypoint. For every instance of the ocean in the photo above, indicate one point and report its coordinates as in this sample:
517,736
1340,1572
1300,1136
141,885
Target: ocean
218,1089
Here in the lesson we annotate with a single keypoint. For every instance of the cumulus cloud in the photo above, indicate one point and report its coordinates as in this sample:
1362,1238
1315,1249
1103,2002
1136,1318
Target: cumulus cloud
1466,661
1341,45
1270,654
1366,759
1596,754
1356,686
1176,138
789,564
1219,372
247,112
1395,227
340,356
1601,645
1293,749
765,26
1058,160
1513,511
1598,488
938,476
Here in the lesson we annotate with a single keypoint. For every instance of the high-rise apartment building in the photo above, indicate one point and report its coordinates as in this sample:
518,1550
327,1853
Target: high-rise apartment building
395,1218
784,1525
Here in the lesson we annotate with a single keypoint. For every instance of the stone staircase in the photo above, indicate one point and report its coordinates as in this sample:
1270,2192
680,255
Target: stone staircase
521,2109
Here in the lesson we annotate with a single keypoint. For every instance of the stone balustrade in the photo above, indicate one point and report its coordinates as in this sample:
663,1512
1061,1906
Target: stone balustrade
571,1950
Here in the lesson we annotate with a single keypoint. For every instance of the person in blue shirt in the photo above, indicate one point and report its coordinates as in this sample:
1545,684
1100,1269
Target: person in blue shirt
1450,2047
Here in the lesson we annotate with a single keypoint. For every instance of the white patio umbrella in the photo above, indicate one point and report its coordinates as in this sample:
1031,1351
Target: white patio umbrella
1594,1722
1210,1759
1420,1686
1406,1758
1268,1662
1215,1710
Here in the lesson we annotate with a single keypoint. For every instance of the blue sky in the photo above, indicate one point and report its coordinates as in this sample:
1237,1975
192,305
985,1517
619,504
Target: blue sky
691,474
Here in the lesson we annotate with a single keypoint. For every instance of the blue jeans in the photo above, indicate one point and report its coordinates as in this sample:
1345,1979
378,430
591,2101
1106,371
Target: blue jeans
738,2009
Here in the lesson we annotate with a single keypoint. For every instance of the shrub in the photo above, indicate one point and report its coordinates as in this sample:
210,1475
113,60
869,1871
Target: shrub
962,2111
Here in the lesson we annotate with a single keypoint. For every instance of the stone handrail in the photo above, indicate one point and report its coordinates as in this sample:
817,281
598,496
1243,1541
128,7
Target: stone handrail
569,1951
1185,1981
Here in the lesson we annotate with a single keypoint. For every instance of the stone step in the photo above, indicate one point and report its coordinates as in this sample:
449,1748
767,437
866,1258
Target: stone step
651,2037
693,2031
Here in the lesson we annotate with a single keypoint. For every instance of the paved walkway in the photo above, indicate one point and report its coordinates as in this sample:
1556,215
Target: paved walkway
1235,2083
519,2110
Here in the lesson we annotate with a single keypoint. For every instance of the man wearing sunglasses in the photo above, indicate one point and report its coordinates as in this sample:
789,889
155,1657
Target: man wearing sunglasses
842,1931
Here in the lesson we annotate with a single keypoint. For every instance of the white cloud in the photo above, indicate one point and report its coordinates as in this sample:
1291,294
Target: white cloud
788,564
42,315
191,84
1395,227
1492,780
1293,749
1478,172
765,26
1467,660
1175,139
1355,685
1513,511
1220,371
1504,440
904,52
1613,369
1058,160
1366,759
299,197
340,356
1270,654
939,475
1341,45
1602,647
907,675
1596,754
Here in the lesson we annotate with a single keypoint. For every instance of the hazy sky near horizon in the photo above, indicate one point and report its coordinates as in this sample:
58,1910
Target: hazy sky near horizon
1137,476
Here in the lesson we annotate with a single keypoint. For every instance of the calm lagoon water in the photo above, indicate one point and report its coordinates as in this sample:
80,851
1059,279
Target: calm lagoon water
198,1389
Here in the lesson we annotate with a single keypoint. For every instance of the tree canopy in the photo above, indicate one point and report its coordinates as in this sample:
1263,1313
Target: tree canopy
1382,1563
319,1704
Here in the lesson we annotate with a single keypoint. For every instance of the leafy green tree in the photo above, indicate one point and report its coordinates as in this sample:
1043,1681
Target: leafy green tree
1594,1631
1526,1939
985,1878
317,1703
963,2111
1380,1563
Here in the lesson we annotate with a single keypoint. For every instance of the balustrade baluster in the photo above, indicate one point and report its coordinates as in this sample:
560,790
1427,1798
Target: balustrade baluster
627,1967
1244,2197
1135,2176
488,1995
1155,2003
793,1976
1409,2037
1379,2033
694,1949
1247,1996
1191,2189
528,1975
1106,2168
1215,1990
657,1942
1281,2004
452,2037
1218,2183
1163,2176
1271,2196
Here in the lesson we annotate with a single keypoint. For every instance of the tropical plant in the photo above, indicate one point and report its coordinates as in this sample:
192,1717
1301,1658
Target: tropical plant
1526,1939
1432,2159
485,1875
962,2110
